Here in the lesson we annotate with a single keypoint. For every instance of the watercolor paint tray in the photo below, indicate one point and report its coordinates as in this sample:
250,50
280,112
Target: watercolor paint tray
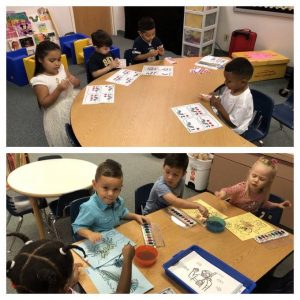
152,235
248,284
183,217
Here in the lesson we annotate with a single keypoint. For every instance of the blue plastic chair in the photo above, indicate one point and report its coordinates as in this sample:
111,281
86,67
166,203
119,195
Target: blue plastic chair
15,70
141,197
74,211
71,136
284,112
67,44
272,215
262,116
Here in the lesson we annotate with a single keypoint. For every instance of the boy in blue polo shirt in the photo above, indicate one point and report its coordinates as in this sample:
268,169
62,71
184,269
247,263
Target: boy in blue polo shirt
105,209
147,47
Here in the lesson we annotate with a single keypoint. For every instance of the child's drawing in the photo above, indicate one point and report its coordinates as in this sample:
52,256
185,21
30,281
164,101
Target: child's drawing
247,226
108,248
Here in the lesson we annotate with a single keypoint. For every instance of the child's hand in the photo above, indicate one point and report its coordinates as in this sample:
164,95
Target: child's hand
220,194
128,252
114,64
63,85
203,211
142,219
72,79
205,97
215,101
94,237
153,52
77,269
285,204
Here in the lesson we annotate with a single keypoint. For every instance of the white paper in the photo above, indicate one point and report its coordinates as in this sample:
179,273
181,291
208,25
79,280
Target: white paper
124,77
158,70
95,94
212,62
204,277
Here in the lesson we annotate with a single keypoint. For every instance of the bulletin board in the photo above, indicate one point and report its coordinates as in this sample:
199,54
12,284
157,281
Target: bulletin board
26,29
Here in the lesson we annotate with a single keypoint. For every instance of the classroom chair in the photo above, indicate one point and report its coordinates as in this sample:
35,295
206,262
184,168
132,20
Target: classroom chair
18,206
128,56
271,215
29,64
15,70
74,211
89,50
141,197
284,112
79,52
61,208
71,135
67,44
262,116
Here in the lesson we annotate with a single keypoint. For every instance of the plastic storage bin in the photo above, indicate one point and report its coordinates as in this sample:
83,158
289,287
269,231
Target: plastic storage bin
247,283
15,70
198,172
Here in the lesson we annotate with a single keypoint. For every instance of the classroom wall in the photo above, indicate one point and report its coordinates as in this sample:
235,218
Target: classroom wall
118,19
273,32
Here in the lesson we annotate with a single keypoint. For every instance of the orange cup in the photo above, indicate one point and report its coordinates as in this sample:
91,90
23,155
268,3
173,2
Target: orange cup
145,256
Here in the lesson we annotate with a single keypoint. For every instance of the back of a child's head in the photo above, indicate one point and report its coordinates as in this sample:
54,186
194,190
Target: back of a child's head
43,266
241,67
145,24
100,38
41,51
109,168
177,160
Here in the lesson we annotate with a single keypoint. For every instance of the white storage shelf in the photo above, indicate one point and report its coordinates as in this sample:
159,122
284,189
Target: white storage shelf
199,31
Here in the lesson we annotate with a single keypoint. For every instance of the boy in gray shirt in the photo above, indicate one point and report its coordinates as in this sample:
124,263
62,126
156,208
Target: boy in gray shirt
168,189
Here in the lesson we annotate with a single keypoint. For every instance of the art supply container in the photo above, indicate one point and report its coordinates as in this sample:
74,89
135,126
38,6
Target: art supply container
197,173
145,256
215,224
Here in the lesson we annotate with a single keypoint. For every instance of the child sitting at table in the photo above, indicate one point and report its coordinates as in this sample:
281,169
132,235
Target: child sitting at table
47,266
54,89
168,189
236,103
105,209
147,47
101,61
252,194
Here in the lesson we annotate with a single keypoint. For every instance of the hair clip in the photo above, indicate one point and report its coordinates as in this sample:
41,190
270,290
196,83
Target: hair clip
274,161
62,251
28,242
11,266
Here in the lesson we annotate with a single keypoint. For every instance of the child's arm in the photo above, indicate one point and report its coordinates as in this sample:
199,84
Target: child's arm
125,277
139,218
89,234
181,203
216,102
283,205
161,50
73,80
42,93
151,53
114,64
221,194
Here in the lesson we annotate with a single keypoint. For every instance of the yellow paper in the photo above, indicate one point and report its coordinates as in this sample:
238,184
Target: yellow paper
194,213
247,226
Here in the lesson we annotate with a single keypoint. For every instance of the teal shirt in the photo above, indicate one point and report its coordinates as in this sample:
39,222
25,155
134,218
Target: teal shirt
95,215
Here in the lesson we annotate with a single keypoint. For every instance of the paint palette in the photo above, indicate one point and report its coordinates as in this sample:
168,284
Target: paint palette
182,216
272,235
148,235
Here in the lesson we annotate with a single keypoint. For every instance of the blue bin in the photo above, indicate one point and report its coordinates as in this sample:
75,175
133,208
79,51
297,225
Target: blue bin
67,44
15,70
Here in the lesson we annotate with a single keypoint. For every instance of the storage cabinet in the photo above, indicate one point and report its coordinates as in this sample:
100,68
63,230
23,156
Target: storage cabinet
229,169
199,31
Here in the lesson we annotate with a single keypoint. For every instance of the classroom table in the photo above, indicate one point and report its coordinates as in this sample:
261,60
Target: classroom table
248,257
51,178
141,115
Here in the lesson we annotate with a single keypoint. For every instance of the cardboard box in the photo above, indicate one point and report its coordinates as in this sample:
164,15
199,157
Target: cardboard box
267,64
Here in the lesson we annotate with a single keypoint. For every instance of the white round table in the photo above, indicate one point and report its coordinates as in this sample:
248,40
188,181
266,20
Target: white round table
51,178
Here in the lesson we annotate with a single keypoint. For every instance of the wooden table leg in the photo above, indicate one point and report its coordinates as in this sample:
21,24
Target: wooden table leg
38,217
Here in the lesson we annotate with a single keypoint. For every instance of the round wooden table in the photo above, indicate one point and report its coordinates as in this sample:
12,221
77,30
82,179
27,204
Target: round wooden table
51,178
141,115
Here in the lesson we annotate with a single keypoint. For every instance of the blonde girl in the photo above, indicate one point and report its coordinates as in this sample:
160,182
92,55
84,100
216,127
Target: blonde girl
252,194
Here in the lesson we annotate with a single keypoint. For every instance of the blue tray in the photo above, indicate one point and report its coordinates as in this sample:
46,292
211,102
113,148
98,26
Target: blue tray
247,283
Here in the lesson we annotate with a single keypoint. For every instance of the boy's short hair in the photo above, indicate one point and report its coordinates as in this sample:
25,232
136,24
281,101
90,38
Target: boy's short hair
101,38
145,24
177,160
240,66
109,168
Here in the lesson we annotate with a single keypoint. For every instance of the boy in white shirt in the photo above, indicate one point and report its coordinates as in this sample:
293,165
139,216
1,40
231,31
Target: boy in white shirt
236,103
